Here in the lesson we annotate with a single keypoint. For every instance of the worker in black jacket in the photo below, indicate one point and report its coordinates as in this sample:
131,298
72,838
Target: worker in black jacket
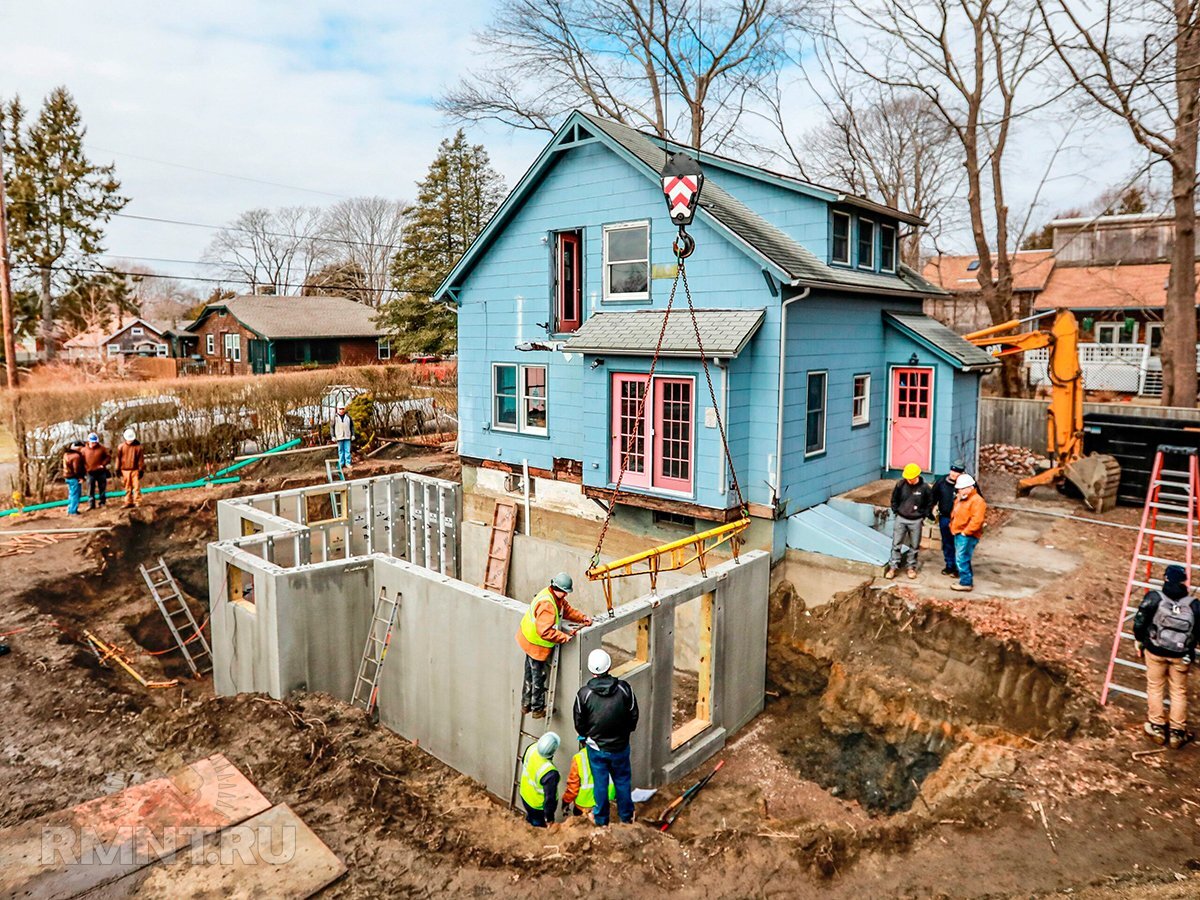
942,509
911,500
606,713
1166,628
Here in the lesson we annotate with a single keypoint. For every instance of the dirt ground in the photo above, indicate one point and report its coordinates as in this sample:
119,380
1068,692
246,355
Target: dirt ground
914,743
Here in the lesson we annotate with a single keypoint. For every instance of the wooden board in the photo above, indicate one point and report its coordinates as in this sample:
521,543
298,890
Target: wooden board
504,524
65,853
273,854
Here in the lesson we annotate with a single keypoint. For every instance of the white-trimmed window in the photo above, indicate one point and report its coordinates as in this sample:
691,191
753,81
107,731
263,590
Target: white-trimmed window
519,398
114,349
866,243
1115,333
383,348
210,344
840,251
160,349
814,413
137,331
627,261
887,248
233,346
860,409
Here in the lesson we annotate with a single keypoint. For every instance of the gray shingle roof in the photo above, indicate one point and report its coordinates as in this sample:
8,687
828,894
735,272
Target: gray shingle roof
933,334
724,332
282,317
787,254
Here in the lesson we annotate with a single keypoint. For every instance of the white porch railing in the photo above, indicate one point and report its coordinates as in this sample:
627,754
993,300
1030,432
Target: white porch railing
1125,368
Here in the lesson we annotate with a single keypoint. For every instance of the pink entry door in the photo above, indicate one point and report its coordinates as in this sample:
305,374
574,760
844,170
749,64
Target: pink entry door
911,437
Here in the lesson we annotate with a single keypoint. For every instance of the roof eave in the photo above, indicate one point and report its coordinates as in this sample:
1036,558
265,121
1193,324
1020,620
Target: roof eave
910,293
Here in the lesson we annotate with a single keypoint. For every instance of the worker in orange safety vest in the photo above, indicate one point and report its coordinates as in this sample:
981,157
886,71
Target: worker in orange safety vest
538,635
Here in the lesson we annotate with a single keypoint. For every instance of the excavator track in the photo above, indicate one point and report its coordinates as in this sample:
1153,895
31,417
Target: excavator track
1097,478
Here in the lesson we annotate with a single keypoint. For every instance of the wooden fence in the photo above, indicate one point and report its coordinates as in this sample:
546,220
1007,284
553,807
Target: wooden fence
1023,422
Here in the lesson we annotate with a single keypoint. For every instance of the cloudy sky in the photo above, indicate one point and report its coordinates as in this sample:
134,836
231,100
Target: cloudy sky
312,101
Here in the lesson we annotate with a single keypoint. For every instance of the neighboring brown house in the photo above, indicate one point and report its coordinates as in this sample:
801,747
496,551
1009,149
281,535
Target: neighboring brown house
139,337
261,334
964,310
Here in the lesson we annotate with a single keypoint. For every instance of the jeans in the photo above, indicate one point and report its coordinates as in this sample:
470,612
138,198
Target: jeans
74,495
343,453
533,691
616,765
97,487
906,538
132,480
1164,674
948,551
535,817
964,549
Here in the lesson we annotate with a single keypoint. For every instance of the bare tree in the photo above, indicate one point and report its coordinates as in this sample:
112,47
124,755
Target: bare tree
1139,60
889,145
680,68
971,60
276,250
364,235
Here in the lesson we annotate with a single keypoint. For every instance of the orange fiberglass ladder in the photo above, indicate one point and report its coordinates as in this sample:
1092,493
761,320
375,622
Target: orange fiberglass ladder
1169,526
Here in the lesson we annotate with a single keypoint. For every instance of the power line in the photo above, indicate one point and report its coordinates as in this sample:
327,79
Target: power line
162,162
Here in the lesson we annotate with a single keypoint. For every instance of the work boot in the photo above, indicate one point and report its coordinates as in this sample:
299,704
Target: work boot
953,573
1178,737
889,574
538,714
524,710
912,573
965,588
1157,733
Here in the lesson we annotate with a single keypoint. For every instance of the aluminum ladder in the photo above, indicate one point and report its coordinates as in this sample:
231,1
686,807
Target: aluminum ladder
1168,529
366,685
334,474
174,609
527,738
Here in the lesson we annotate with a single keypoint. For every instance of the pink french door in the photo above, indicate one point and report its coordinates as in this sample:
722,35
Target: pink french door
662,453
911,425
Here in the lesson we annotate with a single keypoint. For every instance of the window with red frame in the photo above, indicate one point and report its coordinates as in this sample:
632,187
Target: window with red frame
568,262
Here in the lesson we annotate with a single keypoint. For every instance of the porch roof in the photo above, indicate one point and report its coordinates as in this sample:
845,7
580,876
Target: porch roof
931,333
724,332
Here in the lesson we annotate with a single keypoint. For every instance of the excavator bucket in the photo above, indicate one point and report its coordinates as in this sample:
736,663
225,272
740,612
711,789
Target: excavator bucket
1097,477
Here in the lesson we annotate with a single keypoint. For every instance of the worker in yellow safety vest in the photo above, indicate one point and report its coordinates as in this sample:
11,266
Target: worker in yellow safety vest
540,631
580,796
539,781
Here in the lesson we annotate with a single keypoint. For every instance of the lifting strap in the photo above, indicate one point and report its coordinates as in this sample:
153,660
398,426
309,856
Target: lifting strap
680,275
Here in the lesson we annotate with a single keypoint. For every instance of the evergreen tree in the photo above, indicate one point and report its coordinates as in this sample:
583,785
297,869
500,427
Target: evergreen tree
455,201
59,201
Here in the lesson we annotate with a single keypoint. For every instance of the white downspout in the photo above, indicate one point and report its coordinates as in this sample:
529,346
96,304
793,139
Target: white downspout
724,366
777,486
525,486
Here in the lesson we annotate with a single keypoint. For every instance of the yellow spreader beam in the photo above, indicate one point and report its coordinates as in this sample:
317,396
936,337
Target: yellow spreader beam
669,557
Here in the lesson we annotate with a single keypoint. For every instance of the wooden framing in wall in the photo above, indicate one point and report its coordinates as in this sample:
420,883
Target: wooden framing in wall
704,667
240,588
641,652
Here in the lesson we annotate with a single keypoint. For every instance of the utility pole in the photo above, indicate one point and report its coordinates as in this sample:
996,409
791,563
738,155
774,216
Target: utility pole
6,301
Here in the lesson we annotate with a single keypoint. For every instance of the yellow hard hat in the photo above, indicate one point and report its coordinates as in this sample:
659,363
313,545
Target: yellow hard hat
912,470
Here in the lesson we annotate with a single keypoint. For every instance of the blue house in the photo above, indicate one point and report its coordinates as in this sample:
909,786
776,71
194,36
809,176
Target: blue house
825,372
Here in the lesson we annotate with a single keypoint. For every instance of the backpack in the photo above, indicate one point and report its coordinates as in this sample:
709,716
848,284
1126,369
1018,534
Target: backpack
1172,625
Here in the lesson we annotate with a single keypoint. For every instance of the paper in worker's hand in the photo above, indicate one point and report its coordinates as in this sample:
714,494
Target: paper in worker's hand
641,795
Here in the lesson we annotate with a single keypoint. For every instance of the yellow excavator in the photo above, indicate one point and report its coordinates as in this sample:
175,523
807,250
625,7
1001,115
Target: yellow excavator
1096,476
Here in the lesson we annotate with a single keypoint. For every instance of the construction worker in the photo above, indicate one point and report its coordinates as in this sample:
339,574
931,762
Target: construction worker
539,781
74,472
941,510
131,464
911,501
96,458
580,796
1165,628
966,523
606,713
341,430
539,633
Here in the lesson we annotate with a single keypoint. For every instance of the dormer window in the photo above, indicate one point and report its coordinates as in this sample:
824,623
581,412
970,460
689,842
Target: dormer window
887,248
840,251
866,244
568,281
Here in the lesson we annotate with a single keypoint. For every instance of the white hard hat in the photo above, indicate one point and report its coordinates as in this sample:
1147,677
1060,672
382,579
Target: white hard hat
547,744
599,662
130,434
963,481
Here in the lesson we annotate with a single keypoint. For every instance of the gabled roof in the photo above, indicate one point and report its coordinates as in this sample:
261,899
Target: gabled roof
778,253
724,332
1031,271
1107,287
933,335
283,317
